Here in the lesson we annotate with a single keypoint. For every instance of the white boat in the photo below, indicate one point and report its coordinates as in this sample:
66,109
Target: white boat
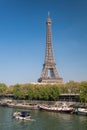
82,111
24,115
64,108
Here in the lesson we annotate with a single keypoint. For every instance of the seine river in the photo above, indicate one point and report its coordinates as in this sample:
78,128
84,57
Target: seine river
42,121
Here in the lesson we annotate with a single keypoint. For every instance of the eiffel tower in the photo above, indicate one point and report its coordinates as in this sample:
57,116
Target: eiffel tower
49,72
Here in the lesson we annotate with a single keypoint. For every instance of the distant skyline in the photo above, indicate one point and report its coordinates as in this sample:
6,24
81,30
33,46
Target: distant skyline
23,39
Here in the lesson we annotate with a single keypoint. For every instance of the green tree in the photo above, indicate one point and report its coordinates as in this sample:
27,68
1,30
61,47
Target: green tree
31,93
10,90
54,92
3,88
44,93
72,87
83,91
18,92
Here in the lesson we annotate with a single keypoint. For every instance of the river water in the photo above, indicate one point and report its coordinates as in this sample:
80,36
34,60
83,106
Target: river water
41,120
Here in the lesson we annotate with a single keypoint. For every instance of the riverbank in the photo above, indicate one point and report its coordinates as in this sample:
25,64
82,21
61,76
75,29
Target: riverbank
34,105
16,104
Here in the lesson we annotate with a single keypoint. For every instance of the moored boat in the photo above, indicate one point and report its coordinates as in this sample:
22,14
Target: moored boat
81,111
23,115
64,108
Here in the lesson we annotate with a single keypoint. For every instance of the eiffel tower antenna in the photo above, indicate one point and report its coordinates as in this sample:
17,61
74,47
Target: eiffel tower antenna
49,72
48,14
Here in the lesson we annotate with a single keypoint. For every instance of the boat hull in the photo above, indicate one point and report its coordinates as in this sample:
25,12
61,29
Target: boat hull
18,115
68,110
82,111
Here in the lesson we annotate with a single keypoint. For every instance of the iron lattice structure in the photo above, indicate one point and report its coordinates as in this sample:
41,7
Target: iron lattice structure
49,72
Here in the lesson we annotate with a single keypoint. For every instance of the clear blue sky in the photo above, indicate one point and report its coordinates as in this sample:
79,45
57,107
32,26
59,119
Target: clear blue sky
23,39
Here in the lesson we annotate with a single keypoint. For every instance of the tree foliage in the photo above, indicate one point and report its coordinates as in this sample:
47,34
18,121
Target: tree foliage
40,92
18,92
83,91
45,91
72,87
3,88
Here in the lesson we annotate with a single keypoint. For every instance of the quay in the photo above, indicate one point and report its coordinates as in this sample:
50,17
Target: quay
34,105
16,104
70,99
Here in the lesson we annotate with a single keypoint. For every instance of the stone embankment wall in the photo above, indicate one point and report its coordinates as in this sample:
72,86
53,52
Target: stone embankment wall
46,103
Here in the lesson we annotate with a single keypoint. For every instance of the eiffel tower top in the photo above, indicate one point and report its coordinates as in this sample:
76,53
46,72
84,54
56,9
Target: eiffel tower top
49,58
48,14
49,19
